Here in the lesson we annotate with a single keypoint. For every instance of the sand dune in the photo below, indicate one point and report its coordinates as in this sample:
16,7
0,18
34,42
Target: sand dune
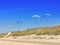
28,40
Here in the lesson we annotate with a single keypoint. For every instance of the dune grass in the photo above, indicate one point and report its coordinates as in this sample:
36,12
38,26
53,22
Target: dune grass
54,30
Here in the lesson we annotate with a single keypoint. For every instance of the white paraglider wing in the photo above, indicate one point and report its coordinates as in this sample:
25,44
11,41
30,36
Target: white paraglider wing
36,18
9,25
46,15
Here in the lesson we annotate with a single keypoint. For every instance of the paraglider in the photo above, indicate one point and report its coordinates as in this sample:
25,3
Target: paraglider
36,16
9,25
47,15
36,19
19,21
19,24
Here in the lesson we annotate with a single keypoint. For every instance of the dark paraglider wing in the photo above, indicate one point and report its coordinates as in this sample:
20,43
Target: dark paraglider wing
18,22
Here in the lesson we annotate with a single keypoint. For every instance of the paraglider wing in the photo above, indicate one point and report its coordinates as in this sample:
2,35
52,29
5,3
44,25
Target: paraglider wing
48,14
9,26
36,19
36,16
18,22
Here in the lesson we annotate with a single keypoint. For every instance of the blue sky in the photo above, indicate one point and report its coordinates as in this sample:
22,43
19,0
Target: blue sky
12,11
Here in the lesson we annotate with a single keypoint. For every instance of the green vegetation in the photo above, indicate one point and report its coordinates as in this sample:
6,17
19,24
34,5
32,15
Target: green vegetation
55,30
2,35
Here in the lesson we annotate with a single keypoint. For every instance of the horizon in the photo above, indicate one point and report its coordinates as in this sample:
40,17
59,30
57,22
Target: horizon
24,14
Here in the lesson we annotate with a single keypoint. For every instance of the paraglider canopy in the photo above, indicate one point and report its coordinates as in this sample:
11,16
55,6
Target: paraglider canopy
18,22
47,15
36,19
9,25
36,16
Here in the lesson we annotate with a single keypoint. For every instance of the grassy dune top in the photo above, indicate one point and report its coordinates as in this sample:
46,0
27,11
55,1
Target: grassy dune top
54,30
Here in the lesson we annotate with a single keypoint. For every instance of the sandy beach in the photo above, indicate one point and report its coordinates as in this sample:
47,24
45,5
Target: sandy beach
28,42
16,43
